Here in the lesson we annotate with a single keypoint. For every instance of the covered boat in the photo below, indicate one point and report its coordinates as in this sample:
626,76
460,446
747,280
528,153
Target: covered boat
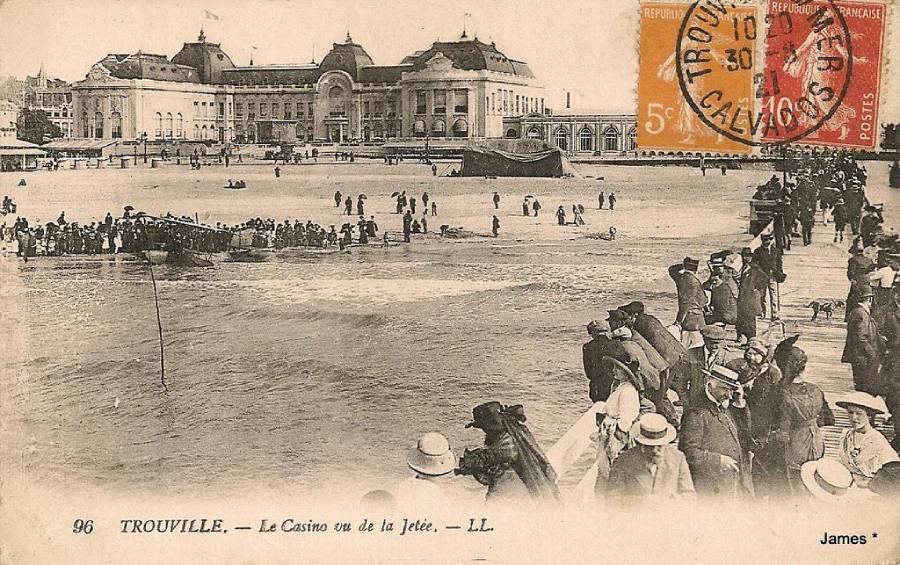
488,162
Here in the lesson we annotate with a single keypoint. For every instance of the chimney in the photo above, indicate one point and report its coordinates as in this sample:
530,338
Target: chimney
568,100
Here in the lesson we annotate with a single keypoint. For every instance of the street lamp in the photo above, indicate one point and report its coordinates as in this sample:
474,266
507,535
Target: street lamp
144,139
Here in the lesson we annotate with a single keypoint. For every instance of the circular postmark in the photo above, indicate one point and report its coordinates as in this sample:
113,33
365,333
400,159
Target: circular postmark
771,84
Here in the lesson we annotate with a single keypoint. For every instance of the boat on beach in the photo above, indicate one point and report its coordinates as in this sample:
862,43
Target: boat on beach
250,255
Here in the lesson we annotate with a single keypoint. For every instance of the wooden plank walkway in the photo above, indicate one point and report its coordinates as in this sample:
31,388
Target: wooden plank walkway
819,271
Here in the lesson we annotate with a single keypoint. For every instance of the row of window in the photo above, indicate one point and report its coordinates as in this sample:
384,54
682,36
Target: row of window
92,126
460,128
586,138
506,102
460,101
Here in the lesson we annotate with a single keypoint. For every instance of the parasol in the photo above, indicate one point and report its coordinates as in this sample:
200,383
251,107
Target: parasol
363,197
395,194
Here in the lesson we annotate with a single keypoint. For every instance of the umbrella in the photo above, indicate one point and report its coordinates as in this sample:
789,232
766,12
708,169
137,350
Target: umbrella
129,208
395,194
528,196
363,197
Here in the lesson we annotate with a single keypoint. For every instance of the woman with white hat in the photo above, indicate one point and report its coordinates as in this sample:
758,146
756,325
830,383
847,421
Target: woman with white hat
433,461
862,449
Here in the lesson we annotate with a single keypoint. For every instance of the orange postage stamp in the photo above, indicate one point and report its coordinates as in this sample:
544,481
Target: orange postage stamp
666,121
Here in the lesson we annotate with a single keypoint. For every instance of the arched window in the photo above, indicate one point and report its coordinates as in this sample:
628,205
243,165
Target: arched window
85,125
611,139
533,132
98,125
632,139
366,133
419,128
169,125
115,125
159,125
512,133
461,128
309,134
562,138
439,128
179,125
586,139
196,131
378,131
203,132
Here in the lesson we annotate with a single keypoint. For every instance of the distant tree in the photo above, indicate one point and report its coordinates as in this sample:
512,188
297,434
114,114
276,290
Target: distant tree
36,127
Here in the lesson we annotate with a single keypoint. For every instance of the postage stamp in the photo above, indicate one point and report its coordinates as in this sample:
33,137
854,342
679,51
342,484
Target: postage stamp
808,51
666,119
804,71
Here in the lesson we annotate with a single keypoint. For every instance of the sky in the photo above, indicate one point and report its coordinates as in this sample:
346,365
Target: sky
586,48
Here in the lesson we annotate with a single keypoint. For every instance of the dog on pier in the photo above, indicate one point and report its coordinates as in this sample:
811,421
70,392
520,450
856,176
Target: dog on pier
825,306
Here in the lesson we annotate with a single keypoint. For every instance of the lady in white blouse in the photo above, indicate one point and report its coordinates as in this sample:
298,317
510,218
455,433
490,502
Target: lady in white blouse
623,407
862,448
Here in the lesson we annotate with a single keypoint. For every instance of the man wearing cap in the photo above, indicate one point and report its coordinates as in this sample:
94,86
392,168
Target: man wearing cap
861,348
715,437
859,265
652,470
691,300
593,352
768,257
723,294
716,351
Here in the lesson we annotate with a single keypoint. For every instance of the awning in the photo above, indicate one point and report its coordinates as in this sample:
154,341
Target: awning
29,151
460,125
79,144
15,143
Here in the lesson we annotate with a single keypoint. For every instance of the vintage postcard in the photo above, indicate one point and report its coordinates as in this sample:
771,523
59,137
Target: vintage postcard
340,281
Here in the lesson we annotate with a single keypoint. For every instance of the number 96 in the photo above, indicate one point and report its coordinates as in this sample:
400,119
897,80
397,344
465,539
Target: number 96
82,526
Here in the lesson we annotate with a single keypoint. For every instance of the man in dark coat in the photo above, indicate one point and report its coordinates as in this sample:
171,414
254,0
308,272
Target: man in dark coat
858,268
753,285
715,438
691,298
768,257
861,349
407,225
592,353
890,365
722,300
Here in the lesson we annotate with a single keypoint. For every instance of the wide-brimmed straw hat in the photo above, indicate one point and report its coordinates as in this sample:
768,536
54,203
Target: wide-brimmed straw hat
431,455
863,400
826,479
653,429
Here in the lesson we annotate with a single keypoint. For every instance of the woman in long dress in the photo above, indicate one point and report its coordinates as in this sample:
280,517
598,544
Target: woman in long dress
803,409
862,449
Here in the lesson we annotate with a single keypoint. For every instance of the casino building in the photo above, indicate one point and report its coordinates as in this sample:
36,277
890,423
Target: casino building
454,89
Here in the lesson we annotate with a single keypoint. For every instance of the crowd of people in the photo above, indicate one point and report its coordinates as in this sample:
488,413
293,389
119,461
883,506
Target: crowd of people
707,407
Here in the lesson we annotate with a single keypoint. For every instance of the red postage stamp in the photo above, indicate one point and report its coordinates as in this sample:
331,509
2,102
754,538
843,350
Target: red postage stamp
815,55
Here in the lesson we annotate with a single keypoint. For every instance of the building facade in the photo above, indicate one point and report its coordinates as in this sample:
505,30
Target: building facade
52,96
457,89
578,132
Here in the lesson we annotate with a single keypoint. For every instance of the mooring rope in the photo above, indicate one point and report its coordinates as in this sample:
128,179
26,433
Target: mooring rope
162,351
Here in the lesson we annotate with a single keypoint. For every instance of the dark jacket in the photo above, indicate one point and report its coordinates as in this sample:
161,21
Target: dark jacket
659,337
770,260
709,431
861,345
763,398
749,305
723,302
592,353
691,299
